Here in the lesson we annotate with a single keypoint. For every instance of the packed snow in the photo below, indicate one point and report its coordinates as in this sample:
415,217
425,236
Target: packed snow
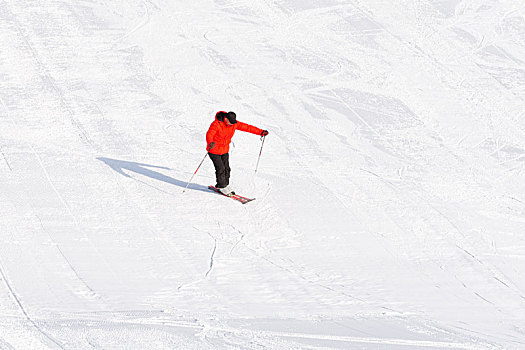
390,193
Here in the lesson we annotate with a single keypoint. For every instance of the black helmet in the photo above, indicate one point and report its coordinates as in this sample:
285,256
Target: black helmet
232,117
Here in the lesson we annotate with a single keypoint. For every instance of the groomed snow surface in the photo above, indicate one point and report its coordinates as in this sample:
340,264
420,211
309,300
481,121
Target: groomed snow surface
390,195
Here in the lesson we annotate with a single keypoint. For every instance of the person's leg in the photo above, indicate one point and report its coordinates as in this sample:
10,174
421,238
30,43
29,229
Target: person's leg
220,170
227,170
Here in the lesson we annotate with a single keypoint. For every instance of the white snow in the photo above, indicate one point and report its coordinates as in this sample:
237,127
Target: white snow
390,210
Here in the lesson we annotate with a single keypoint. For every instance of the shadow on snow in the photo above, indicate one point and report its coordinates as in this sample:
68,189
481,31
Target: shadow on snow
143,169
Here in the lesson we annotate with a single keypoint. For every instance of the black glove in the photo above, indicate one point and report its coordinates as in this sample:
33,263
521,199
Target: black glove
210,146
264,133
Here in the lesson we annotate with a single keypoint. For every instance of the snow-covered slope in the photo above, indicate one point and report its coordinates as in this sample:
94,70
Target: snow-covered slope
390,193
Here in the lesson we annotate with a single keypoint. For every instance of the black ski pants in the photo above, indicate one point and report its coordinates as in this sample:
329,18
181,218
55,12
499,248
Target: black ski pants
222,169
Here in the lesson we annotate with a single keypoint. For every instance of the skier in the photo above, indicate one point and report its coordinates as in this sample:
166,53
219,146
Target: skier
218,140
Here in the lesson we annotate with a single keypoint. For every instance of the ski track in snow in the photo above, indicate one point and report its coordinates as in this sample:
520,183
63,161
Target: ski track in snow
24,312
212,256
390,196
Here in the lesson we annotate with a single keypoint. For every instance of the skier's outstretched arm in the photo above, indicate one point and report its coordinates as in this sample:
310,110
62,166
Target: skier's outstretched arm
251,129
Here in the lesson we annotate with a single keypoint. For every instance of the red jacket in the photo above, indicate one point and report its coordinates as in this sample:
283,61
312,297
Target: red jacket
221,133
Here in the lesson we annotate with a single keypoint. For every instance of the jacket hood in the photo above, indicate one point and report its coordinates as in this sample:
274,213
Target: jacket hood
221,115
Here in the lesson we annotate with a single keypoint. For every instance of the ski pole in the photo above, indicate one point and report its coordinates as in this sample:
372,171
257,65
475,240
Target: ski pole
260,152
202,161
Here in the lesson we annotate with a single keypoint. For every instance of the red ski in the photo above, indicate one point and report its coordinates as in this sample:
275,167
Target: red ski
241,199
